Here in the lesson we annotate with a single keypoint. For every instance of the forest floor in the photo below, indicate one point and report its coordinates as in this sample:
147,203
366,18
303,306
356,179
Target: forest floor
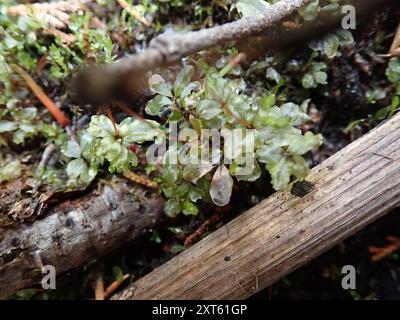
346,108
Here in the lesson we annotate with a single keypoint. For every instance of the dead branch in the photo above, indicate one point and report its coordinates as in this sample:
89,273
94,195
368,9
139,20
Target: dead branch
74,232
167,49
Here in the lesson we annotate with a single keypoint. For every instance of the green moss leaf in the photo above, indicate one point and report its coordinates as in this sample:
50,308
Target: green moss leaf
189,208
301,144
308,81
393,70
76,167
309,11
101,126
164,88
7,126
209,109
137,130
331,45
71,149
153,107
221,186
280,173
249,8
182,81
172,207
11,170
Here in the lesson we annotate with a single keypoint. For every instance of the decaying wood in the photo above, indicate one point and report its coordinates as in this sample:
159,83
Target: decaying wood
351,189
74,232
54,14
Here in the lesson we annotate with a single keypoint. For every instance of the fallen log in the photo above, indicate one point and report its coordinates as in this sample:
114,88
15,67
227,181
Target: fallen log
74,232
349,190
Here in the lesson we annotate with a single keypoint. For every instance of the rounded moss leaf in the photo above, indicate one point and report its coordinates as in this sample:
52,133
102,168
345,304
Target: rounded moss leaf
71,149
172,207
309,11
301,144
295,113
280,174
308,81
101,126
7,126
345,37
209,109
182,80
249,8
10,171
393,70
221,186
163,88
189,208
153,107
299,167
137,130
76,167
320,77
331,45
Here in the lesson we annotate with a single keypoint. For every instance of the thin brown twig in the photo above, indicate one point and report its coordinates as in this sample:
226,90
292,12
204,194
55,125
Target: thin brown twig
236,60
125,5
65,38
229,112
111,117
123,107
114,286
201,230
380,253
41,95
167,49
134,177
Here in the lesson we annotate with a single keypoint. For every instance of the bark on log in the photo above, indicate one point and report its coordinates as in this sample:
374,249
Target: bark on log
351,189
74,232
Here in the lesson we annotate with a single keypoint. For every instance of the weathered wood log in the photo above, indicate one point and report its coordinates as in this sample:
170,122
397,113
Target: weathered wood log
350,190
74,232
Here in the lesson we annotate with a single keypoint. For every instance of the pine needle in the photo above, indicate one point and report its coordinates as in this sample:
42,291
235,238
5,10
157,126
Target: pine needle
130,175
125,5
114,286
41,95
